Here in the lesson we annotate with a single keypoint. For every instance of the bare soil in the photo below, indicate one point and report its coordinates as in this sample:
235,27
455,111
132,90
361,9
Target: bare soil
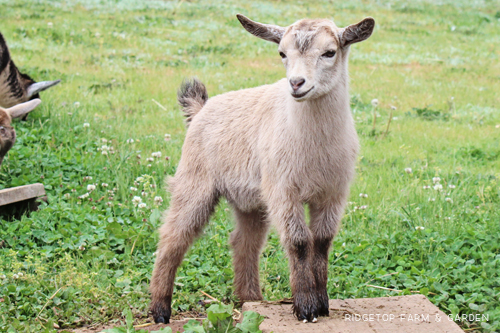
409,314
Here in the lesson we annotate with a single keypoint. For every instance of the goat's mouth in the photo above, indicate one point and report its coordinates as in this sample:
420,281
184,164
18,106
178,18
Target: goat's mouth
299,96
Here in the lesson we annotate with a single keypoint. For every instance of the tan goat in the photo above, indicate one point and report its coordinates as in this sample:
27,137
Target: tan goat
269,150
7,132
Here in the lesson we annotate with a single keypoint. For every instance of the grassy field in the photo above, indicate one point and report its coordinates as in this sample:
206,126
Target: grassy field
82,259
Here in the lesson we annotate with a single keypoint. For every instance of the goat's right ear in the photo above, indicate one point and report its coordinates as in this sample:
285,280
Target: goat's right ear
272,33
22,109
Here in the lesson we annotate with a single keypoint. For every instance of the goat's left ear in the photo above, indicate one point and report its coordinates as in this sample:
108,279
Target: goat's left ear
272,33
357,32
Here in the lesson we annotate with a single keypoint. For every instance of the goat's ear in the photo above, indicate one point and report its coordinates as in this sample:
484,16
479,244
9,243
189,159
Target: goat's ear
24,108
37,87
272,33
357,32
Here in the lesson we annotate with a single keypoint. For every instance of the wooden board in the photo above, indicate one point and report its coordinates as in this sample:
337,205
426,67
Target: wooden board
21,193
16,201
409,314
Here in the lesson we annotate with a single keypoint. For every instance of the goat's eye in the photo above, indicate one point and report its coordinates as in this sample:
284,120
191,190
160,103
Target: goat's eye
329,54
282,55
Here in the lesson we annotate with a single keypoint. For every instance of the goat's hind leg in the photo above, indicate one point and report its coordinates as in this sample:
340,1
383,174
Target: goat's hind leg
190,208
247,241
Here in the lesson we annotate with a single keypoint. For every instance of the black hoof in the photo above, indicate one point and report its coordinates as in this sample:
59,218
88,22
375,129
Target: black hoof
323,305
161,312
305,307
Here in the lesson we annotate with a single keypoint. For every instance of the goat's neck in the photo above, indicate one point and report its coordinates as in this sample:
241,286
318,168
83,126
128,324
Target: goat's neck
331,110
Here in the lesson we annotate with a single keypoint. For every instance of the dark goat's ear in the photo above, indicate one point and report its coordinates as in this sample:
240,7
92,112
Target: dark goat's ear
272,33
356,33
37,87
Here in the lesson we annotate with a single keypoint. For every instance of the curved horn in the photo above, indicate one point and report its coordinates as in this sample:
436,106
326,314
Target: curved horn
23,108
35,88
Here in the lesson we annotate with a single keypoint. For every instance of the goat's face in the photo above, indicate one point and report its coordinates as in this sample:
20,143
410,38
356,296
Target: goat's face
314,52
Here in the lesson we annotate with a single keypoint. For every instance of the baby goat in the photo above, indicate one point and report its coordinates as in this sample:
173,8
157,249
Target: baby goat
16,87
269,150
7,132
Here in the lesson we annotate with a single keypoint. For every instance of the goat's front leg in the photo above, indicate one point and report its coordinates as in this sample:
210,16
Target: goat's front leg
325,221
298,242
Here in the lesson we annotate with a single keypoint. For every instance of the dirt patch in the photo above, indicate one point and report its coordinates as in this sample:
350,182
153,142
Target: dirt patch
410,314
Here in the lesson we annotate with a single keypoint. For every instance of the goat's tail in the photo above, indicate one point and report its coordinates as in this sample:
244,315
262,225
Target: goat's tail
192,95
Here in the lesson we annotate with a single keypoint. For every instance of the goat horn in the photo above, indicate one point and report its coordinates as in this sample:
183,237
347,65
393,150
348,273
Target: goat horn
23,108
35,88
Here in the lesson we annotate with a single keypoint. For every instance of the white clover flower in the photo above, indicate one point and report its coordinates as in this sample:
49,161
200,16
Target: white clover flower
104,185
363,207
136,200
104,140
156,154
83,196
408,170
393,108
150,159
15,276
130,140
167,137
109,204
86,125
158,200
438,187
50,24
450,200
431,199
142,205
343,244
20,274
90,187
139,179
419,228
104,147
77,104
375,102
87,178
451,186
133,189
363,195
148,166
67,195
436,180
3,276
426,187
104,152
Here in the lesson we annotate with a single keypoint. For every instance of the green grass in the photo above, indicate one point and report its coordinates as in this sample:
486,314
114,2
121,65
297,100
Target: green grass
83,261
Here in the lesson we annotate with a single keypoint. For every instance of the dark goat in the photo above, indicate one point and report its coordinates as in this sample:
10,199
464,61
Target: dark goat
16,87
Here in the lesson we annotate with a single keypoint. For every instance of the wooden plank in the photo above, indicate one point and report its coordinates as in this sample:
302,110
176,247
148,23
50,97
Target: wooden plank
21,193
409,314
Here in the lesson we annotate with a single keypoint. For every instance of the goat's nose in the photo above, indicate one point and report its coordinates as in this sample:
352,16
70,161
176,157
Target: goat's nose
296,83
